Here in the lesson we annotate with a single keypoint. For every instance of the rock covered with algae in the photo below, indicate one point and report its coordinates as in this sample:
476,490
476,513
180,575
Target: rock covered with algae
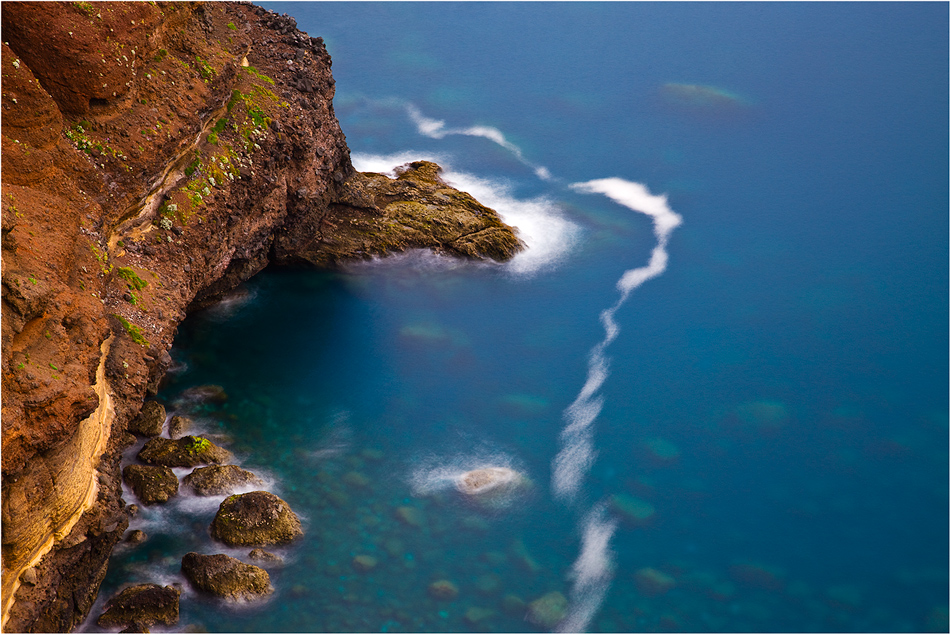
220,479
141,606
151,484
225,576
189,451
258,518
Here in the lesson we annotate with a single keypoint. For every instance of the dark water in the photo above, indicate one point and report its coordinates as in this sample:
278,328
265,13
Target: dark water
778,393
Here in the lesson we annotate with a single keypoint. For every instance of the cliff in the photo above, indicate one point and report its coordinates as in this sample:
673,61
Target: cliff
156,155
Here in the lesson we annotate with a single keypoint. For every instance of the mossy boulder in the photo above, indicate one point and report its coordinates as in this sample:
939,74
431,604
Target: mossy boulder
150,420
220,479
225,576
189,451
257,518
151,484
377,215
141,606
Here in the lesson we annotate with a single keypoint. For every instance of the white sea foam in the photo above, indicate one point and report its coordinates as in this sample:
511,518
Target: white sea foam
436,129
577,453
592,571
548,235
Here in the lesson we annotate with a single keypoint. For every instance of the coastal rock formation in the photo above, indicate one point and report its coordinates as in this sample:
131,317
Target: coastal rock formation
257,518
220,479
142,606
151,484
225,576
189,451
155,156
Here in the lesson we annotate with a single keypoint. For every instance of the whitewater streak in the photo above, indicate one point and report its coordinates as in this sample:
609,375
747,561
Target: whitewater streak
577,451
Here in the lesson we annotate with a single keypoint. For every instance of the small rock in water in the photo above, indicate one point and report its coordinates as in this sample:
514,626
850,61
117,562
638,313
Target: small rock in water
410,516
265,557
220,479
488,584
443,589
356,479
258,518
549,610
489,481
632,511
150,420
205,394
661,451
151,484
652,583
136,537
141,605
178,425
225,576
514,605
758,575
364,563
475,615
523,557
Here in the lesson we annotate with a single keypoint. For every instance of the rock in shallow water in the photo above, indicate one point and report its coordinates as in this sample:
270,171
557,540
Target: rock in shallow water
258,518
142,605
549,610
189,451
151,484
220,479
225,576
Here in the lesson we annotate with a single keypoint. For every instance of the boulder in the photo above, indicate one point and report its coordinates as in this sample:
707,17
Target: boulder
178,425
265,557
258,518
491,487
189,451
141,606
151,484
150,420
225,576
549,610
220,479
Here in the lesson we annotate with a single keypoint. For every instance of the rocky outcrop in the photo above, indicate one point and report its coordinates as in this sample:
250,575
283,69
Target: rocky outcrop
151,484
225,576
150,421
257,518
155,155
189,451
220,479
142,606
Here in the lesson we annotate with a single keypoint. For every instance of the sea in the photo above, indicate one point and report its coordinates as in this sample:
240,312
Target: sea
719,369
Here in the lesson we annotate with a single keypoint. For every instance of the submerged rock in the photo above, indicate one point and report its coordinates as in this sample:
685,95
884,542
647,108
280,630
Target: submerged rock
364,563
189,451
652,583
141,606
410,516
443,589
220,479
258,518
633,511
225,576
475,615
136,537
265,557
205,394
151,484
549,610
150,420
513,605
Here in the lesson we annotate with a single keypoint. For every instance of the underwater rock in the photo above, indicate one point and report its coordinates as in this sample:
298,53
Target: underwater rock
523,558
178,425
491,487
410,516
632,511
513,605
141,606
219,479
151,484
372,454
549,610
488,584
258,518
443,590
758,575
265,557
763,415
364,563
652,583
189,451
844,597
150,420
225,576
475,615
205,394
661,451
356,479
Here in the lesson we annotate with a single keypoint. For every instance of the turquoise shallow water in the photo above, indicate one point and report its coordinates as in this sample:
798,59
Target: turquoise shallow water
777,394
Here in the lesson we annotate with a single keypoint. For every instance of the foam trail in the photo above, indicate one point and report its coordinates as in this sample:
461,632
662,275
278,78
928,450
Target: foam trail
591,572
577,453
435,128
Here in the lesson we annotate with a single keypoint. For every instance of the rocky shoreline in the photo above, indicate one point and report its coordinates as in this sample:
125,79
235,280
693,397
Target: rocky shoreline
156,155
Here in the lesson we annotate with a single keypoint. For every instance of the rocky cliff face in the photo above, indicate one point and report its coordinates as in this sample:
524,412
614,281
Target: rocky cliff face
155,155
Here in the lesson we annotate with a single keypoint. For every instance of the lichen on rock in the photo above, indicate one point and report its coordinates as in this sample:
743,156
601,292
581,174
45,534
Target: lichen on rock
189,451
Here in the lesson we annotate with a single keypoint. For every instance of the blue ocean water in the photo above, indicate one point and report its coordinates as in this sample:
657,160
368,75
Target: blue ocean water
766,414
